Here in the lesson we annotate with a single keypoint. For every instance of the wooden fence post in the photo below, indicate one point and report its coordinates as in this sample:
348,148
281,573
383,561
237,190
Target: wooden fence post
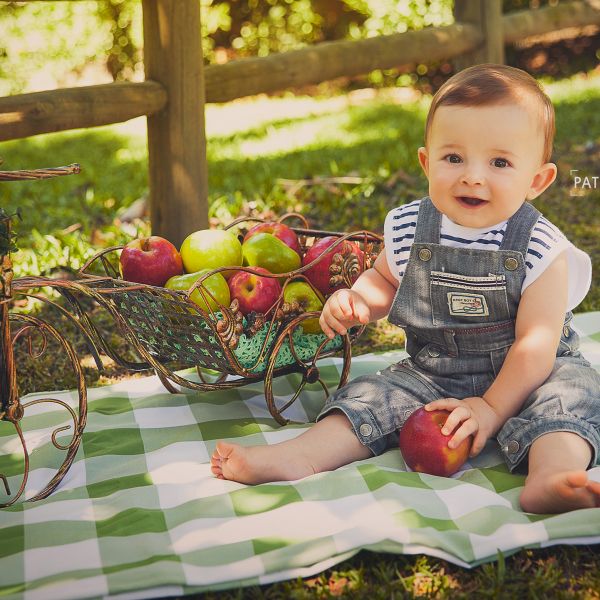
487,16
176,136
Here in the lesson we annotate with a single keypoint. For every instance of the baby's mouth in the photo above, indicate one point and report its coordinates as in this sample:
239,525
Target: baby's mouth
470,201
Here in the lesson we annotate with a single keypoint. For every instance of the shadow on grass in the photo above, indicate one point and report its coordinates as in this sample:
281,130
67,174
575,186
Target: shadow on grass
371,142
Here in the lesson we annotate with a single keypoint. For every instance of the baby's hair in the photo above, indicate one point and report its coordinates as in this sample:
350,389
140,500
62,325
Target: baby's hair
489,84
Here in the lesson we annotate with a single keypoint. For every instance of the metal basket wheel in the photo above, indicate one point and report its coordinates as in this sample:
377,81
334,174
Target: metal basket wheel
291,348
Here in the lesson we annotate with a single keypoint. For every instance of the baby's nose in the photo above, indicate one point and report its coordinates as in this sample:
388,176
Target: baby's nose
472,175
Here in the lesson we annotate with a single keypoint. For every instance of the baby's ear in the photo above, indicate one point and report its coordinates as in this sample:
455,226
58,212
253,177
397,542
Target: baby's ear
542,180
424,160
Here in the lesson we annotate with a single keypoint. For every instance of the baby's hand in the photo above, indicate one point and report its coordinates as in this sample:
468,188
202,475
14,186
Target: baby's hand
473,416
342,310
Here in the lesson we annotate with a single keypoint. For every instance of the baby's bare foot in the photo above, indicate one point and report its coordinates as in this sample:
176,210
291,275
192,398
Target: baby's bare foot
560,492
257,464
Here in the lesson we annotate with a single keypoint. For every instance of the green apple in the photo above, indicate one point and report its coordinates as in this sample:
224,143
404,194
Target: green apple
215,284
210,249
267,251
309,301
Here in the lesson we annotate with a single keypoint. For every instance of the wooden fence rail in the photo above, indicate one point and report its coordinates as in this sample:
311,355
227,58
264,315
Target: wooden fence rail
71,108
329,60
177,86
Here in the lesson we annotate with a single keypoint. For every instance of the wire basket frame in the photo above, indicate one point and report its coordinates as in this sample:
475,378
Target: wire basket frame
36,333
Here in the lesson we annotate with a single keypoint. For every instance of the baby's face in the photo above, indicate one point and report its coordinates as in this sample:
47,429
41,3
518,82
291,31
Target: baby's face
483,162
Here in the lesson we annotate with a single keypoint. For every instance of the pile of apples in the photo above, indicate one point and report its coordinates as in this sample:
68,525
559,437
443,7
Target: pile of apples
268,249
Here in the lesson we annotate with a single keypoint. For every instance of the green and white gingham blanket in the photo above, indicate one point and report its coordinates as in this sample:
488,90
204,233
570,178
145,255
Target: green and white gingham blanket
140,514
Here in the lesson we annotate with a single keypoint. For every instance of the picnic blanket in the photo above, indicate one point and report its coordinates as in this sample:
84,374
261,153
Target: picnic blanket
140,514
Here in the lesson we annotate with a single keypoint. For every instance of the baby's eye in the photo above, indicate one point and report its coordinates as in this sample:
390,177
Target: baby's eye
453,158
501,163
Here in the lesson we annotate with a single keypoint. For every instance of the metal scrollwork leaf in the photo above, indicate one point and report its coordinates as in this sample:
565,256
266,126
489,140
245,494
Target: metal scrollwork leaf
230,326
345,267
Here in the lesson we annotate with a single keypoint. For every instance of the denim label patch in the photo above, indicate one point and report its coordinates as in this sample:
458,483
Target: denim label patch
467,305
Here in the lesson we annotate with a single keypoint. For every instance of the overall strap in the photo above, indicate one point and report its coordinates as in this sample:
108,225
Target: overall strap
429,221
519,228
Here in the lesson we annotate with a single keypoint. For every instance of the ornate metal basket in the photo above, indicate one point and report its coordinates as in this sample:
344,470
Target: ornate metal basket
166,326
169,332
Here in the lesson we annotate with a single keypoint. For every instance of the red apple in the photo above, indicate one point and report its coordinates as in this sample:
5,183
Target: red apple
321,273
150,260
425,448
253,292
283,232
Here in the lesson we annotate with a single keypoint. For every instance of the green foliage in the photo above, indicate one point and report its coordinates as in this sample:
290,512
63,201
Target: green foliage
43,42
46,42
390,16
7,236
261,27
124,19
274,26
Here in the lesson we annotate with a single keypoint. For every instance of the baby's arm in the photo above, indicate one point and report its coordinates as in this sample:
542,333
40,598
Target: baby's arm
369,299
539,325
528,364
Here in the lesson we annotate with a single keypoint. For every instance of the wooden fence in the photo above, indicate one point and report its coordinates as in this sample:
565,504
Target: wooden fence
178,85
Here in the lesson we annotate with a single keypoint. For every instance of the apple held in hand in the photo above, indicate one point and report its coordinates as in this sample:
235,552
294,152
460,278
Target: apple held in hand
267,251
210,249
309,301
327,274
253,292
215,284
151,260
425,448
279,230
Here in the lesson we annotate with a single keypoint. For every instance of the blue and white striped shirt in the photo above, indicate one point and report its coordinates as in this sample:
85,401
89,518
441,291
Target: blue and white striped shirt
546,243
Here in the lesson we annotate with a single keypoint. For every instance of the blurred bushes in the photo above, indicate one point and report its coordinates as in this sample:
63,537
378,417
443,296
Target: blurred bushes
48,42
58,41
259,27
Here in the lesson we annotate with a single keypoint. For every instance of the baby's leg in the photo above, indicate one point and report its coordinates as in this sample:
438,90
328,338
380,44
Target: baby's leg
327,445
557,480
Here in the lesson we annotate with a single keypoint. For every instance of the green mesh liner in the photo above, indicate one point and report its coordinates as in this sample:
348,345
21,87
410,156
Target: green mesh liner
170,332
305,346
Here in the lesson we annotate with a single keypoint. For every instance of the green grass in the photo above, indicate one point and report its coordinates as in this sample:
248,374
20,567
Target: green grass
67,219
556,573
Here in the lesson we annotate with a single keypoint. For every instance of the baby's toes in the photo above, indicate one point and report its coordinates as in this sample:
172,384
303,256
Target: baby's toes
594,488
577,479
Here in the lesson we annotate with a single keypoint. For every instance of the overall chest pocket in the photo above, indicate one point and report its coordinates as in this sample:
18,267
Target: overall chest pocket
459,298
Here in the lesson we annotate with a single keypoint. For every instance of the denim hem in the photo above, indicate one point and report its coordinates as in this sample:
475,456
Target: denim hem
515,442
360,417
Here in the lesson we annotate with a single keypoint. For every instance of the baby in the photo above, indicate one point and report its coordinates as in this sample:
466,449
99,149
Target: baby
483,286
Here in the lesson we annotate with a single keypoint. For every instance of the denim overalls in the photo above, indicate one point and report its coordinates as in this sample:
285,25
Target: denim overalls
458,308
